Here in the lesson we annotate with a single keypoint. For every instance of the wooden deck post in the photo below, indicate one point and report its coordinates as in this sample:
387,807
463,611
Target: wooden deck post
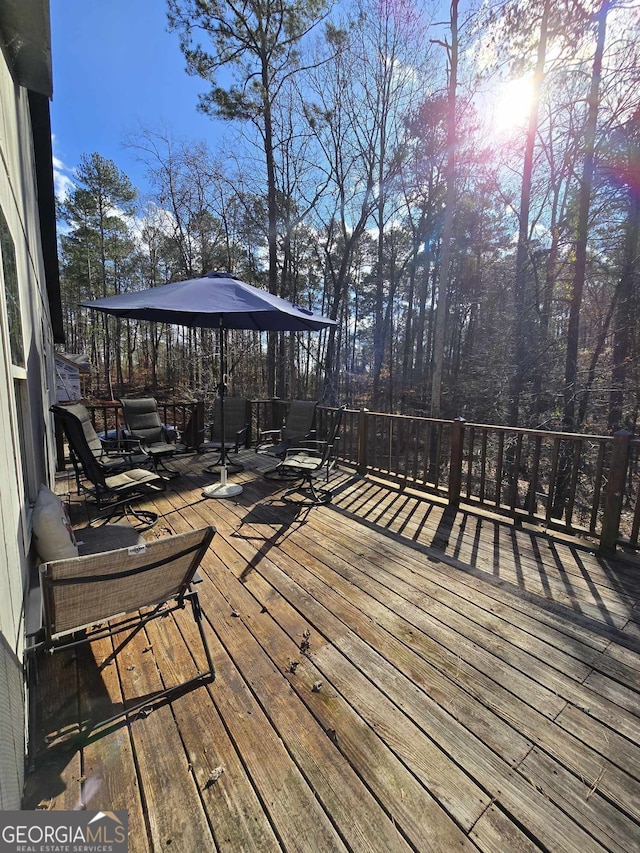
363,442
614,493
455,461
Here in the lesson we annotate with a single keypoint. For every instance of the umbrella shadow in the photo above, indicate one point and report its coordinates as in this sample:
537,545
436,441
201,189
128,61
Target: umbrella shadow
282,520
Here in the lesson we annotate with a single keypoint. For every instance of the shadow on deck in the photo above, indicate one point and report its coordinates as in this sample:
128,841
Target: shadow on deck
391,675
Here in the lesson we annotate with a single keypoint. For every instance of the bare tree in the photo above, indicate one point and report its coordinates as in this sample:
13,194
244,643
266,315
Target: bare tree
449,203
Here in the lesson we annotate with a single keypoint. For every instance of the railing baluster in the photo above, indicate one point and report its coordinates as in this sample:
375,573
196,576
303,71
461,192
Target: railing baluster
635,526
515,474
373,440
416,448
499,463
597,489
363,442
483,464
571,500
426,452
437,454
455,461
552,478
405,445
471,432
533,482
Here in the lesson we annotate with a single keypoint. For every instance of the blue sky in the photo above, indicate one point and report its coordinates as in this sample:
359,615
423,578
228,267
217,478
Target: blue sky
116,67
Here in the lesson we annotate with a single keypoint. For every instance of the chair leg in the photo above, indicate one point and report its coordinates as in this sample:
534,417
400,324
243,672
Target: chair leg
319,496
235,466
142,624
280,472
167,472
197,616
149,703
146,517
117,511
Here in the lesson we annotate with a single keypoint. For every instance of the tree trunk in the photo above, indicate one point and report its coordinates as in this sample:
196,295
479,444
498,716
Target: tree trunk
580,269
625,315
522,322
584,202
450,194
272,216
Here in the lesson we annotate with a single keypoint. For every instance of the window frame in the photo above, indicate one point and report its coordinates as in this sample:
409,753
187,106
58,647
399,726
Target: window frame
20,402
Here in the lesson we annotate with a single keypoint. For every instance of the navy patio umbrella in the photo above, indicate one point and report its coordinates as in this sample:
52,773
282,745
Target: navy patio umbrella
220,301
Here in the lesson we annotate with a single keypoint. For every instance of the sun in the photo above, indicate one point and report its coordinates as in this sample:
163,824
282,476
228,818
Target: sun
512,104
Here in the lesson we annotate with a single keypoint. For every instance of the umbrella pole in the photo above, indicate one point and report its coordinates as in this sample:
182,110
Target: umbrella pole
222,489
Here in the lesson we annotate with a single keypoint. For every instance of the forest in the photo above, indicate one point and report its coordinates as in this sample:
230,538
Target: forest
458,186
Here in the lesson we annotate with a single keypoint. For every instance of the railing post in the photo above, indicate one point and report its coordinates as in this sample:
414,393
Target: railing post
363,442
614,493
455,460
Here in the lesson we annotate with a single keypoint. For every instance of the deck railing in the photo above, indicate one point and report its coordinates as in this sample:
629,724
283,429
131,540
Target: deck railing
585,484
108,417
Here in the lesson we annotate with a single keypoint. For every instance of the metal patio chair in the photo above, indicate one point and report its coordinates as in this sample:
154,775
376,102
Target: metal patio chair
236,426
308,462
297,428
105,594
143,423
113,491
112,454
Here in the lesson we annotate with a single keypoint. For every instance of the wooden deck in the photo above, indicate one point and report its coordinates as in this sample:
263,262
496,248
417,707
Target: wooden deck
391,675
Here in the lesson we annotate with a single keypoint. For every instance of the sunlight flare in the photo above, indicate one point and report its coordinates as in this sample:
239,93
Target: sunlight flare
513,103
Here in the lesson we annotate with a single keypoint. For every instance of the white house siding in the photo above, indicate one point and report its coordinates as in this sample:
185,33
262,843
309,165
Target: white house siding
32,448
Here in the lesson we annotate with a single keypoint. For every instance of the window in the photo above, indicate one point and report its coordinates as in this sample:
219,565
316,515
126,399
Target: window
12,293
21,430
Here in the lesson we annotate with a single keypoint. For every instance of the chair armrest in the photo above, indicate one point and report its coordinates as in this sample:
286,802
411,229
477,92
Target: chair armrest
315,447
125,446
308,440
268,438
318,447
141,440
299,440
34,614
129,435
270,433
243,431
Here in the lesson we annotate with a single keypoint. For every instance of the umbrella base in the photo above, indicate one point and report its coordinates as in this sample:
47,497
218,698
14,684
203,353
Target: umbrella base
222,490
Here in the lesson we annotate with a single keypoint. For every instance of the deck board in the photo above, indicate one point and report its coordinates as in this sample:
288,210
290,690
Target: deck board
109,764
392,674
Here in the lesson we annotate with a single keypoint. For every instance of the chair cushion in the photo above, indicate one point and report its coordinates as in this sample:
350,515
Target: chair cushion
161,448
52,531
134,478
303,461
107,537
